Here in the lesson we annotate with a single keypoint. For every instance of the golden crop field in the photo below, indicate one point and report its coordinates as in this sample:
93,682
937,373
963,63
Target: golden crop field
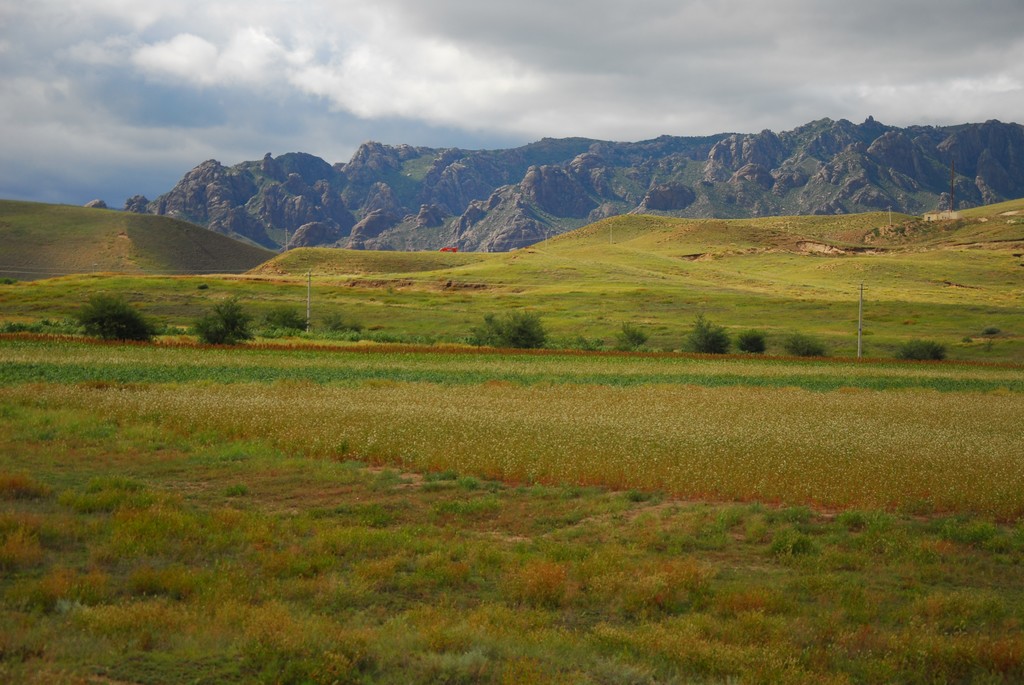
385,514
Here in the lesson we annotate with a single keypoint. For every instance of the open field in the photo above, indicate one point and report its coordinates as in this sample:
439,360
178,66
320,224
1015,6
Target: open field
960,284
390,514
305,509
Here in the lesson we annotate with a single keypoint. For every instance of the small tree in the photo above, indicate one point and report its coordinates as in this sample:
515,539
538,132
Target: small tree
708,338
112,318
921,350
800,345
285,318
751,341
630,338
227,324
515,329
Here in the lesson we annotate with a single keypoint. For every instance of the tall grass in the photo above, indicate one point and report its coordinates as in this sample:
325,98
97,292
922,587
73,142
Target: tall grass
923,449
129,554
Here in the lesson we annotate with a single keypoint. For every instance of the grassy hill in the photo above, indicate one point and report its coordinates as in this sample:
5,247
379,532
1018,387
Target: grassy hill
42,241
960,283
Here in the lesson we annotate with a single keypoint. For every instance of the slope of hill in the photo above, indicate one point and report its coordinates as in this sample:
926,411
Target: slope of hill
662,247
960,283
947,280
414,198
41,241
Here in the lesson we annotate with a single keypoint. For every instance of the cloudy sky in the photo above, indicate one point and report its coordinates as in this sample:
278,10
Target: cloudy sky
109,98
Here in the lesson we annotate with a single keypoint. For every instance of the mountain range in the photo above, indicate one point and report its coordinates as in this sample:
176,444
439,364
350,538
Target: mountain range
403,197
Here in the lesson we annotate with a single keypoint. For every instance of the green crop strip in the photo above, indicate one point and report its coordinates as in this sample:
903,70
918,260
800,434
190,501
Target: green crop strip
42,362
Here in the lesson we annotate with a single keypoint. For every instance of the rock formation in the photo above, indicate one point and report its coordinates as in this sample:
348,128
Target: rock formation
405,197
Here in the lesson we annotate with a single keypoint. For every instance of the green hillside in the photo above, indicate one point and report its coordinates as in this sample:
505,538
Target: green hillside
960,283
41,241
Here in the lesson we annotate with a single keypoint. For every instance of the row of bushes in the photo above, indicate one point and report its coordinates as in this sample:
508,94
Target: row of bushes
113,318
525,330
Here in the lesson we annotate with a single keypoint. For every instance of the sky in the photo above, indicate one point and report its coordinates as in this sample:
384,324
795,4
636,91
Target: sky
105,99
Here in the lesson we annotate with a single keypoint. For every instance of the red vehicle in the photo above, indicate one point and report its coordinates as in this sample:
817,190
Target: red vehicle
449,249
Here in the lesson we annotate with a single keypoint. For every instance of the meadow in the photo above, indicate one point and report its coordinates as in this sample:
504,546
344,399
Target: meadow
386,513
960,284
387,504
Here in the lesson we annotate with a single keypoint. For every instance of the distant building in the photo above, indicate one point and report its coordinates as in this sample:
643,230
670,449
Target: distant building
945,215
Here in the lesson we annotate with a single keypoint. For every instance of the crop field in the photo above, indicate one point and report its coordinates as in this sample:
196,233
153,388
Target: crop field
172,513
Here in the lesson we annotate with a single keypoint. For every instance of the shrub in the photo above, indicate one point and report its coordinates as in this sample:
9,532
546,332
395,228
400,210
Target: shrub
586,344
515,329
921,350
751,341
112,318
708,338
800,345
789,542
990,331
630,338
285,318
69,326
339,323
227,324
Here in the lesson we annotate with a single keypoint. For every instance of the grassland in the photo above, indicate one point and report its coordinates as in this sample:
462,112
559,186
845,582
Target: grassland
381,514
960,284
301,510
43,241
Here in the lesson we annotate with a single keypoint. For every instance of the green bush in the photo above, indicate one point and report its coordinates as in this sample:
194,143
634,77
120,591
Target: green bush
515,330
630,338
69,326
112,318
921,350
227,324
789,542
285,318
583,343
751,341
708,338
339,323
800,345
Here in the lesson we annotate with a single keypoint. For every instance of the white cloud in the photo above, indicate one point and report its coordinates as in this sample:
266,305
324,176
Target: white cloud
122,76
186,56
416,78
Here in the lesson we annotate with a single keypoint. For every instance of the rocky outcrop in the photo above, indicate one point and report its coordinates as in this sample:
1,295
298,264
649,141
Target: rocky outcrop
401,197
317,233
96,204
372,225
557,191
430,216
668,197
136,204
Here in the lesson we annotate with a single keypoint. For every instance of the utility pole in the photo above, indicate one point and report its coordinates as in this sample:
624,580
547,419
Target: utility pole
952,187
309,293
860,322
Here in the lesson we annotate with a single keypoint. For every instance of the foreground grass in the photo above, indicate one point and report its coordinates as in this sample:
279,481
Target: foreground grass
135,554
296,524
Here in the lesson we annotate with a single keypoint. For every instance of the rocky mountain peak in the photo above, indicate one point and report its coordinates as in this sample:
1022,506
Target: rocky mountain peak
407,197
